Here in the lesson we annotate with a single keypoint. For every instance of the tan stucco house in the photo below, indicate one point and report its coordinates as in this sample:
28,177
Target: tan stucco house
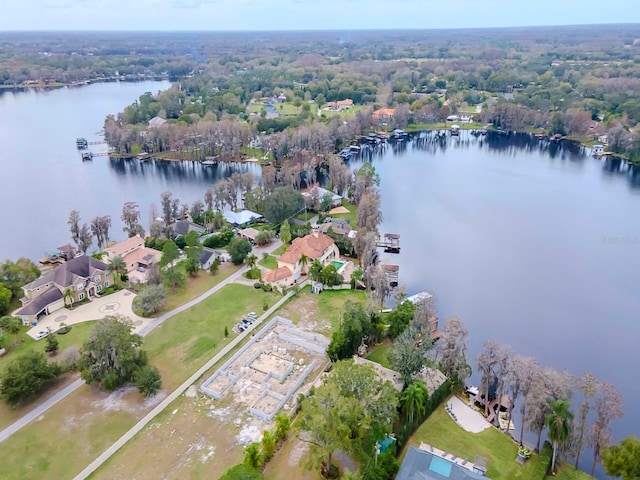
134,253
316,246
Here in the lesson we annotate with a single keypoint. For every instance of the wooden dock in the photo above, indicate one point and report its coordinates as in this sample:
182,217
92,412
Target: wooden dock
390,242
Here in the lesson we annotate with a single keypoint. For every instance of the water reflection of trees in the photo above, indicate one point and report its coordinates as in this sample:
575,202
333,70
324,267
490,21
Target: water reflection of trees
181,171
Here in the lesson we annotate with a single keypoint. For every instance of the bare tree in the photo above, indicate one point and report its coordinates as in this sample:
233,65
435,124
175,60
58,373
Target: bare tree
537,406
368,214
166,204
85,238
607,406
197,209
153,215
503,357
486,362
131,218
588,386
100,229
208,199
380,287
451,350
425,314
525,370
74,225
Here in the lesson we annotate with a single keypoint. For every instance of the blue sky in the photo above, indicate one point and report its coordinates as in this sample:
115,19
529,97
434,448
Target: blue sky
307,14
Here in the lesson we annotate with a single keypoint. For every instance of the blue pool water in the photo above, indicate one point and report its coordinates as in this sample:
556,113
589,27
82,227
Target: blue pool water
441,466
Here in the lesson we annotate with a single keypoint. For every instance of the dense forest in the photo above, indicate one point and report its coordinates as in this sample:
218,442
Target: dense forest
276,91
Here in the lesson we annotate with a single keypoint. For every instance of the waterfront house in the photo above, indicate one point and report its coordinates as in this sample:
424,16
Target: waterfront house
433,464
340,105
314,197
183,227
315,246
339,226
134,254
82,278
243,218
383,115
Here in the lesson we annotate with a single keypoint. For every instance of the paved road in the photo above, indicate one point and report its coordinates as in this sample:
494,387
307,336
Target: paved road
118,444
43,407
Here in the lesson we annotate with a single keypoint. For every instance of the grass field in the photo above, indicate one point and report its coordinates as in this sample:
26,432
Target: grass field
195,287
500,451
89,420
269,262
77,336
351,216
442,126
280,250
379,355
186,341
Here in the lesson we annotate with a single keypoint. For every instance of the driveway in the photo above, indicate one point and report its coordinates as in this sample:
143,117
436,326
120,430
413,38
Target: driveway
118,303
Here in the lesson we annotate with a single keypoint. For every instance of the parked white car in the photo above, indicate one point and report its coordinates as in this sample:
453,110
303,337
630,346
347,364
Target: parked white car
41,334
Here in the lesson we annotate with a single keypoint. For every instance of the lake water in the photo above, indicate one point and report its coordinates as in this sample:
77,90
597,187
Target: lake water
45,177
530,244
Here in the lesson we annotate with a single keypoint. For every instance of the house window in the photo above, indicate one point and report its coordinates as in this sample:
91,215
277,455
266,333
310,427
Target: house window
98,287
106,284
81,296
97,278
80,286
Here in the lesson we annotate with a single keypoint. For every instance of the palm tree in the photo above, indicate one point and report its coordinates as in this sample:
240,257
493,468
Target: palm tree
251,260
413,400
304,260
67,295
559,424
117,267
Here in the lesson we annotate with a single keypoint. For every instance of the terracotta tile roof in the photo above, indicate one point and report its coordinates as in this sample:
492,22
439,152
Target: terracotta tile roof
312,246
277,274
389,112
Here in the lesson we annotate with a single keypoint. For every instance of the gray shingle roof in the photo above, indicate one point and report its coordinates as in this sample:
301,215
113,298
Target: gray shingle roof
52,294
66,274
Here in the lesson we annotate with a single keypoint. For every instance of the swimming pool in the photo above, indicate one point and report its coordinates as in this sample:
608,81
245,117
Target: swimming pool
337,264
441,466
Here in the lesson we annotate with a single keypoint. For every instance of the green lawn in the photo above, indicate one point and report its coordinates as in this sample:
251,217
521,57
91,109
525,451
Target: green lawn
81,424
186,341
441,126
280,250
379,355
269,262
196,286
306,216
500,450
331,303
77,336
351,216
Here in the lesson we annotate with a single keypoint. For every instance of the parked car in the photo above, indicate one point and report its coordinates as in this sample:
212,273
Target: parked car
252,315
41,334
